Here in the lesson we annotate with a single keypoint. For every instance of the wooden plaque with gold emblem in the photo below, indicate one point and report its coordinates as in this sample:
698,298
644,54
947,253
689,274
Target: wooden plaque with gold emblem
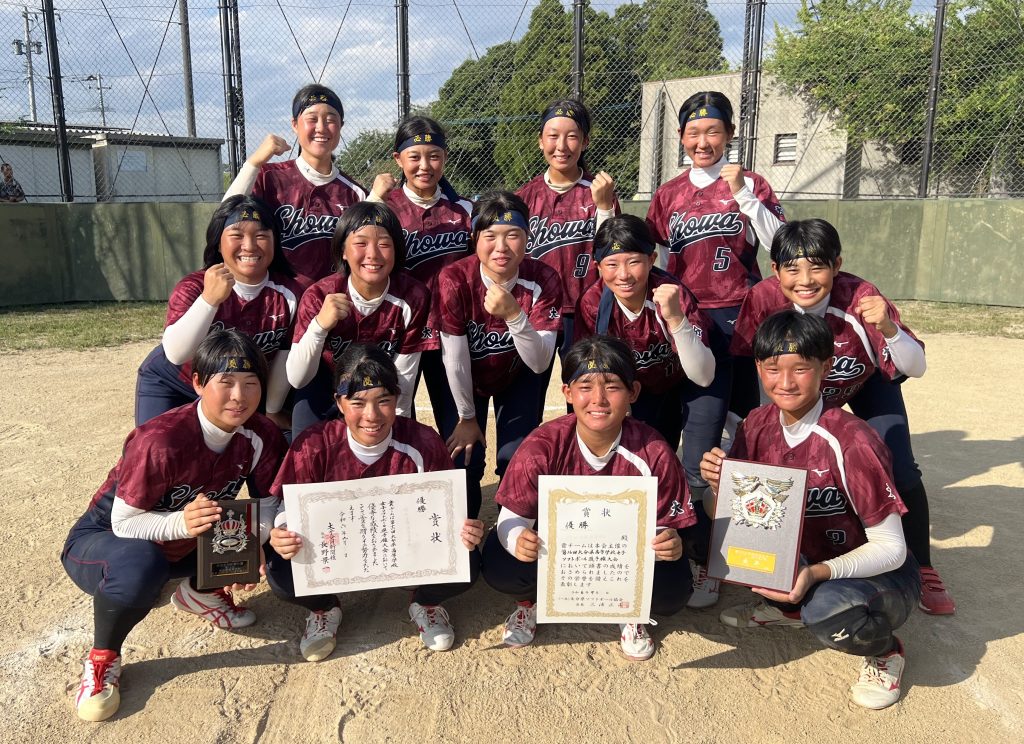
229,552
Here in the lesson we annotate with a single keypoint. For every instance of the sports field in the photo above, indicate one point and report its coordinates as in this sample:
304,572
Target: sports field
64,415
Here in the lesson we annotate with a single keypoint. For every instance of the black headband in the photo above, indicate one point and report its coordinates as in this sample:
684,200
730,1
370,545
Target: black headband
630,245
428,138
313,99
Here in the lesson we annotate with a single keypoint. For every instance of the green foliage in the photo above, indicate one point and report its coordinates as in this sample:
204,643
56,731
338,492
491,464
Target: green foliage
367,155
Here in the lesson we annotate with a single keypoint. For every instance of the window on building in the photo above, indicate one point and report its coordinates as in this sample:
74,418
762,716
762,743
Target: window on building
785,148
732,154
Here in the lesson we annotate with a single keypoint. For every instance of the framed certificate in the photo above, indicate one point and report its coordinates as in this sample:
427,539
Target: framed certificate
229,553
372,533
596,563
759,518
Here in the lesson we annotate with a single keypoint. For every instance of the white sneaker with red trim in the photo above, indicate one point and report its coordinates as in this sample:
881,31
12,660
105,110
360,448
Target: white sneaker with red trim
521,625
321,634
879,683
705,588
435,627
99,693
636,643
217,606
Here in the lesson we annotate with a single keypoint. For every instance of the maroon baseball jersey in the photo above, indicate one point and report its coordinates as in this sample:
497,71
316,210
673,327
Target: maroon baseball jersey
860,348
657,364
712,247
434,237
308,215
562,228
400,325
552,449
266,318
321,454
495,361
849,478
165,464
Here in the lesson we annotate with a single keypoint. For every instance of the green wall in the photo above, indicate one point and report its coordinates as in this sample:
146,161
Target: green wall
957,250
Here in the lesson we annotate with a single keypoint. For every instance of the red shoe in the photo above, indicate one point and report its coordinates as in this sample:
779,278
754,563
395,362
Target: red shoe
935,600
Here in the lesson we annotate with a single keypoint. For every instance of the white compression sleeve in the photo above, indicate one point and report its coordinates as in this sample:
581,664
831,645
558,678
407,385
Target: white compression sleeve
885,550
244,181
182,338
698,361
277,384
761,218
127,521
408,365
303,357
907,354
268,511
510,525
458,369
602,215
535,347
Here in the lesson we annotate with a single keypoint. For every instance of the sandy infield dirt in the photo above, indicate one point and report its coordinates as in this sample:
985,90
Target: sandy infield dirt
64,416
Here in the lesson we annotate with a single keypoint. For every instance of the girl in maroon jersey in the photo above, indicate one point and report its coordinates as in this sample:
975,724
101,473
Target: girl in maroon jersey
567,204
598,438
711,219
436,224
369,440
874,353
246,283
309,193
499,322
368,300
140,527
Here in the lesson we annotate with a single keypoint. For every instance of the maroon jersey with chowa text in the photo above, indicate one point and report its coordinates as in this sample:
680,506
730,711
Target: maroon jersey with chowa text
434,237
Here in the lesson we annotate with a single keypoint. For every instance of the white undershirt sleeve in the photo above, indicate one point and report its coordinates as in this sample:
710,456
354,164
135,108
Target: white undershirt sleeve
885,551
907,354
602,215
764,222
510,526
277,384
268,511
407,365
139,524
304,357
535,347
372,197
182,338
698,361
458,370
244,181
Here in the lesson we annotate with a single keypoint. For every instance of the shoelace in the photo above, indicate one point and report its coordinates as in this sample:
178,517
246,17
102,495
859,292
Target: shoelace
519,619
101,673
318,621
876,671
227,599
433,612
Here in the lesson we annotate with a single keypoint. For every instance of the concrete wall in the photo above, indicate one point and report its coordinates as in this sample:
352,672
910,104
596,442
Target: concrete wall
960,250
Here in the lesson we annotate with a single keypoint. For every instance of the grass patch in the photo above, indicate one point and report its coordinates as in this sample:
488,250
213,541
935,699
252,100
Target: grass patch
969,320
80,325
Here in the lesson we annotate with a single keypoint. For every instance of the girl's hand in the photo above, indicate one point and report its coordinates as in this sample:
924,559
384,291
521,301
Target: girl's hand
874,310
666,297
500,303
335,309
602,189
263,572
732,174
285,543
805,579
217,284
467,433
200,514
271,146
472,533
527,546
383,185
711,468
668,546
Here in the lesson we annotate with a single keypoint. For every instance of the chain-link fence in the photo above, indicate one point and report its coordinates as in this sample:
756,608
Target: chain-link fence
834,98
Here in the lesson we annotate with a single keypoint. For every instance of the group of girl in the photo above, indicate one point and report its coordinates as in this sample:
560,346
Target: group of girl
323,305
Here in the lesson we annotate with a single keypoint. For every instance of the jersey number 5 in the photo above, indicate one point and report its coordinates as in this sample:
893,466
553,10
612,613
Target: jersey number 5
722,258
582,264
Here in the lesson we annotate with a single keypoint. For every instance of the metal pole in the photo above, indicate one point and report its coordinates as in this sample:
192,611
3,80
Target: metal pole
402,31
186,68
236,56
933,98
103,110
577,48
751,81
67,192
28,64
225,59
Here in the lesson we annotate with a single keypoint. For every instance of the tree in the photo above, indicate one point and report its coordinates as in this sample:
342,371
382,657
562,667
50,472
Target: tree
367,155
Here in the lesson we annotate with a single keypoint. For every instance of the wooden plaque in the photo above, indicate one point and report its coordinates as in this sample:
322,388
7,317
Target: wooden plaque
229,553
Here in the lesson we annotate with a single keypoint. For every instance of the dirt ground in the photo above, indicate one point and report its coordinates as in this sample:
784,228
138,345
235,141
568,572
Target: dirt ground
63,417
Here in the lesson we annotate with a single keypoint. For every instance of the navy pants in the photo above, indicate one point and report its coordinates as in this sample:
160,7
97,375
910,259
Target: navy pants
314,402
279,576
859,616
673,583
515,416
441,401
159,387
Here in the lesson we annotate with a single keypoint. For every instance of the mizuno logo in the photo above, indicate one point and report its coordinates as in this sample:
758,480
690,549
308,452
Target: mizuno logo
819,473
842,635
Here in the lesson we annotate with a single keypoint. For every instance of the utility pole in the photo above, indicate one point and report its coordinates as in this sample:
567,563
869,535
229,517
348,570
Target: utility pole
26,48
98,79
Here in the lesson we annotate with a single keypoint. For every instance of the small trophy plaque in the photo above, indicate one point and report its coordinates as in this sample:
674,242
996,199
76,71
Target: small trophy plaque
229,552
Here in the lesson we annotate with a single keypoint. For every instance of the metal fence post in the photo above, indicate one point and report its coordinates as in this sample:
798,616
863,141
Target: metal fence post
577,48
226,71
67,192
402,32
750,85
186,69
933,98
236,59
